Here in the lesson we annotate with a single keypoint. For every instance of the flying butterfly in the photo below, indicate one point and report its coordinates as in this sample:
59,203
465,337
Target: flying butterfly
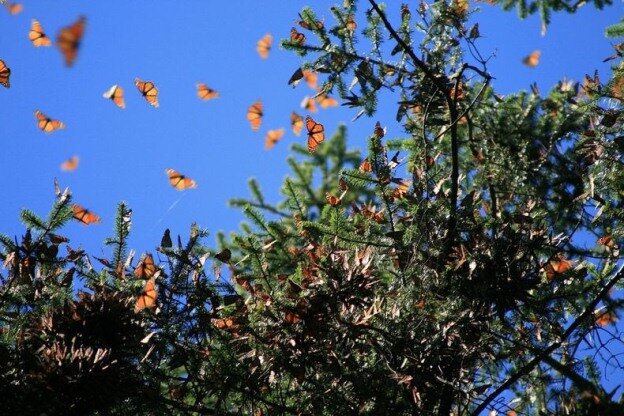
309,104
179,181
206,93
70,164
316,134
147,298
297,37
263,47
146,269
272,137
116,94
532,60
37,36
85,216
14,8
148,90
254,115
46,124
296,121
311,78
325,101
69,38
5,74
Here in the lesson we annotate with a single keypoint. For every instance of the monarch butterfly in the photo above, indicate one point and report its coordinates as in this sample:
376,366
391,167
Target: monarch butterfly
223,323
179,181
14,8
297,37
351,24
318,25
146,269
380,132
116,94
254,115
37,36
325,101
5,73
165,241
296,77
147,298
264,46
365,166
311,78
46,124
296,122
69,38
332,200
309,104
148,90
272,137
205,93
316,134
70,164
224,256
558,265
84,215
532,60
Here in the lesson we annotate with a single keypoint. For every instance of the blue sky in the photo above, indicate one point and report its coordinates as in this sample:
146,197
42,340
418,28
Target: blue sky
124,152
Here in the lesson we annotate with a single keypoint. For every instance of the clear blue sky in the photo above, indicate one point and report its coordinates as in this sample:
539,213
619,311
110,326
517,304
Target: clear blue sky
176,44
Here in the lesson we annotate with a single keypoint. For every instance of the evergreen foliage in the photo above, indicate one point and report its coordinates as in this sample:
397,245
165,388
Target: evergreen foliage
444,272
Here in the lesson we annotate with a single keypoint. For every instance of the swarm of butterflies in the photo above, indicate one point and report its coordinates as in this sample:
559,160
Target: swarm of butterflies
68,41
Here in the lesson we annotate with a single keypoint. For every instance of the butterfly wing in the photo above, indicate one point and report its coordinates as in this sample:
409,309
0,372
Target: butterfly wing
116,95
148,90
146,269
179,181
14,8
272,137
532,60
46,124
297,37
147,298
264,46
254,115
325,101
5,73
36,34
316,134
69,39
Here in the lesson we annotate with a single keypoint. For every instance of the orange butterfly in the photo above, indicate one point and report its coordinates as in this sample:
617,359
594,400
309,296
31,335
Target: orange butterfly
309,104
380,132
37,36
46,124
311,78
205,93
365,166
146,269
70,164
316,134
325,101
84,215
254,115
297,37
148,90
532,60
14,8
264,46
318,25
116,94
296,122
272,137
179,181
147,298
5,73
69,38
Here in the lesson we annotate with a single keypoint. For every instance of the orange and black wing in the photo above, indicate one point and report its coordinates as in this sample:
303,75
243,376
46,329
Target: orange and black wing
5,74
316,134
309,104
46,124
116,94
179,181
296,121
147,298
14,8
69,39
85,216
263,47
325,101
206,93
254,115
146,269
70,164
297,37
148,90
272,137
37,36
532,60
